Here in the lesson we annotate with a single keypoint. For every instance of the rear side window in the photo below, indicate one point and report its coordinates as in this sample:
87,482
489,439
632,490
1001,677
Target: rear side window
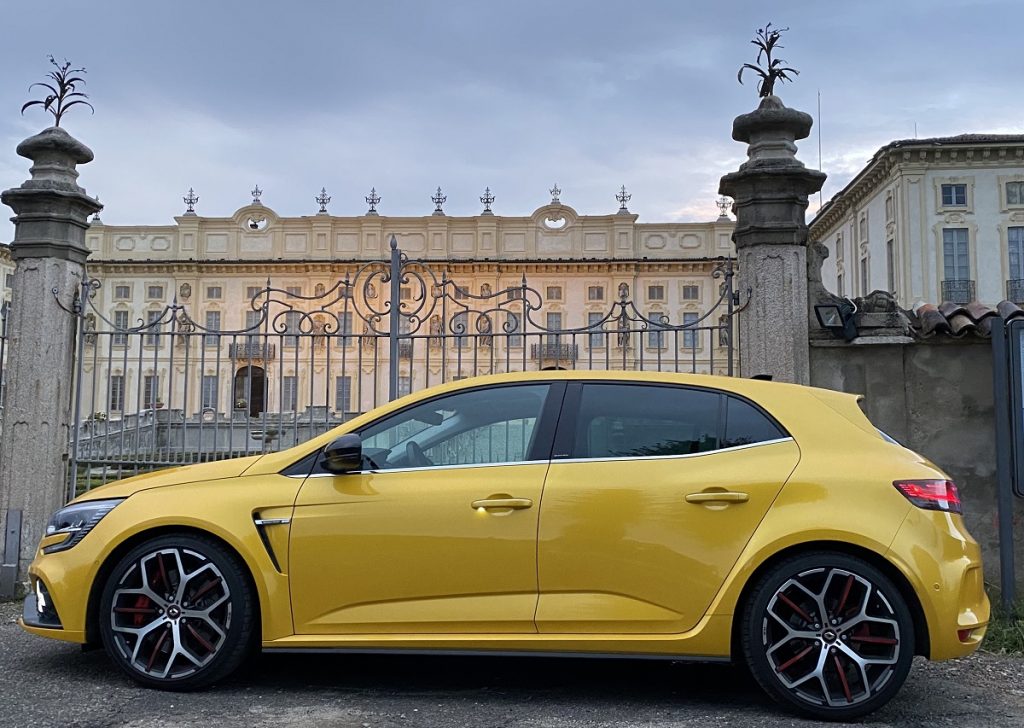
746,425
635,421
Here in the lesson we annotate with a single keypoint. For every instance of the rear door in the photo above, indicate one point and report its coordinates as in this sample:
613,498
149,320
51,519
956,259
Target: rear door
652,493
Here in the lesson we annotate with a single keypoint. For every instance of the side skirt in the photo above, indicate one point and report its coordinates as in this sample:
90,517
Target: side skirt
494,653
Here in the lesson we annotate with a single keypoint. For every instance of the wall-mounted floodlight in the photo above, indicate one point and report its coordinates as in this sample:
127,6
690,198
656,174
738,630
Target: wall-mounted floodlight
837,318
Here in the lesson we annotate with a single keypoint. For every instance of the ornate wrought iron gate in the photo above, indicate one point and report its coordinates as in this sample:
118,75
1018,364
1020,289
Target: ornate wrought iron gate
172,391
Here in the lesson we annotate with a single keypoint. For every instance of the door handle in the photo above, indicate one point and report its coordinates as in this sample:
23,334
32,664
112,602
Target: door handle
719,496
513,503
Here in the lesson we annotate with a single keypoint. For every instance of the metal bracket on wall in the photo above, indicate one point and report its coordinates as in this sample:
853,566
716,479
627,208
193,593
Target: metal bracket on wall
12,551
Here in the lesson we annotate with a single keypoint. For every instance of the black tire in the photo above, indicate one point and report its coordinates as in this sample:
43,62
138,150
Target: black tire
178,634
809,666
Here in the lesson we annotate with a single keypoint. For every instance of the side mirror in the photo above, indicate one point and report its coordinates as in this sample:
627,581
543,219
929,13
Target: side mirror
344,455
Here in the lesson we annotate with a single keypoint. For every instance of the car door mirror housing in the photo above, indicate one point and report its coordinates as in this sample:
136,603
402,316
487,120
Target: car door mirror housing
344,454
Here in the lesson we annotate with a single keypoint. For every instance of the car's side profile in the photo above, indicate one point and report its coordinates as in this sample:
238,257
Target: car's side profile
597,513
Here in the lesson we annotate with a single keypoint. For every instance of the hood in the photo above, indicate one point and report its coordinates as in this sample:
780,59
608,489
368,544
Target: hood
171,476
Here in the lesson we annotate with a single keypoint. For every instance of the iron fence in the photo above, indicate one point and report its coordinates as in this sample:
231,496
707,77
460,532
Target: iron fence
170,391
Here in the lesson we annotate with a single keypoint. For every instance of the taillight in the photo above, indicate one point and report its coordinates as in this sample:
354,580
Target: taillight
934,495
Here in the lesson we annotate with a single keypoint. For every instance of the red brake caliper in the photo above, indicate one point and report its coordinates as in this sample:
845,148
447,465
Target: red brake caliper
140,603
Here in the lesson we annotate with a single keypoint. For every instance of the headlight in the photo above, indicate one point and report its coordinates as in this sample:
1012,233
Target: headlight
77,520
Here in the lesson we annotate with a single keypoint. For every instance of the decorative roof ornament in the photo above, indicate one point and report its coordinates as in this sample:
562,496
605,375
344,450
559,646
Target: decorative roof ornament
322,199
256,193
438,199
190,201
96,217
555,192
767,41
63,93
487,199
623,197
373,199
724,206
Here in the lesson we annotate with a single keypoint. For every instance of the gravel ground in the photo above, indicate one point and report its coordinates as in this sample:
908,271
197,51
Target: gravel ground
48,683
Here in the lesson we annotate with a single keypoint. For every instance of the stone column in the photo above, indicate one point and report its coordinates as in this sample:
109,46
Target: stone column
770,192
51,217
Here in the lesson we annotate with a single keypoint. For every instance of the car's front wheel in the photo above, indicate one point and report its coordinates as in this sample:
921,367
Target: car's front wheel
177,612
828,635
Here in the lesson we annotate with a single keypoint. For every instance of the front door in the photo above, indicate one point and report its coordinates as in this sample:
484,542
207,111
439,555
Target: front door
438,533
652,494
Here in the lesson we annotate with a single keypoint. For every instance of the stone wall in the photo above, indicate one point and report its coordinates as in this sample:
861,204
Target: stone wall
936,398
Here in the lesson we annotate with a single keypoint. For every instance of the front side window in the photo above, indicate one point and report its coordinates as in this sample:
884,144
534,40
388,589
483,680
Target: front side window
639,421
477,427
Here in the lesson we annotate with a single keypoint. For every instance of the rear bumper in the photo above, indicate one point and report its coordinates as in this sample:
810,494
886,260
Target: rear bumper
943,564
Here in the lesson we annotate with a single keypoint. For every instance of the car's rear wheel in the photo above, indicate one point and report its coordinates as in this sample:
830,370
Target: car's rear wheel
828,635
177,612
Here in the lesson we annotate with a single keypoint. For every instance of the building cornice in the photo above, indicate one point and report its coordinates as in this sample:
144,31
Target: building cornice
917,155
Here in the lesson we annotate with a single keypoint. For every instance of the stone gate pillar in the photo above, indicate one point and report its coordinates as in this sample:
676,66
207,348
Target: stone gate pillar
51,216
770,192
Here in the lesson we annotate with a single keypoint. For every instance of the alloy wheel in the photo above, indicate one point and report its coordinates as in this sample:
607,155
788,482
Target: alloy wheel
831,637
171,613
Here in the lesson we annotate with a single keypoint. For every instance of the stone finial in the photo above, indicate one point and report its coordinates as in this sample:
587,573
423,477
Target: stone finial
488,200
373,199
438,199
623,197
724,205
54,154
556,192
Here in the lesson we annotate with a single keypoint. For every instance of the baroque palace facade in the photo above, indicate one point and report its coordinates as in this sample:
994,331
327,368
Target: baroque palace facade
214,267
930,220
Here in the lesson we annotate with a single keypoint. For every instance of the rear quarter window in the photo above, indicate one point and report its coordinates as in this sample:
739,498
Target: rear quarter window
745,424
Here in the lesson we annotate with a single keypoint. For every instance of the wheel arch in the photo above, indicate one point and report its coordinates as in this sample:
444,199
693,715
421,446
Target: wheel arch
92,637
921,637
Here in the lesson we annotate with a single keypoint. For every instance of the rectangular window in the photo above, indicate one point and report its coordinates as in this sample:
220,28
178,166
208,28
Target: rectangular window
252,292
554,293
209,394
9,280
954,195
514,294
120,323
405,292
252,325
213,324
343,394
1015,193
289,393
344,328
150,391
690,335
116,403
461,292
214,293
153,327
1015,238
594,323
655,334
155,292
291,326
553,322
515,337
595,293
864,282
890,208
890,261
293,290
122,293
839,247
691,293
956,254
655,293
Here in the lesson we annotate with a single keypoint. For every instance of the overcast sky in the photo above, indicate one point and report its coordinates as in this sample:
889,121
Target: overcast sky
515,95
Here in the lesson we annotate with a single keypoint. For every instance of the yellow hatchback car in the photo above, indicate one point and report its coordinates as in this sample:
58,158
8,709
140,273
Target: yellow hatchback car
579,513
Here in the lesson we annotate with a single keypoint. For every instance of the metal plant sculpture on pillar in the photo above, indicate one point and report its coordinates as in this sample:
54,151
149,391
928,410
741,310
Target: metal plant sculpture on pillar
51,217
770,192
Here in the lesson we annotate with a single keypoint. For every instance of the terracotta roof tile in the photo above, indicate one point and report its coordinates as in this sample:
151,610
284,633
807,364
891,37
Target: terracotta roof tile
960,320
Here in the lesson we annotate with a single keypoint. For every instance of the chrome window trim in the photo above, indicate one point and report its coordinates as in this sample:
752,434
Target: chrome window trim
541,462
